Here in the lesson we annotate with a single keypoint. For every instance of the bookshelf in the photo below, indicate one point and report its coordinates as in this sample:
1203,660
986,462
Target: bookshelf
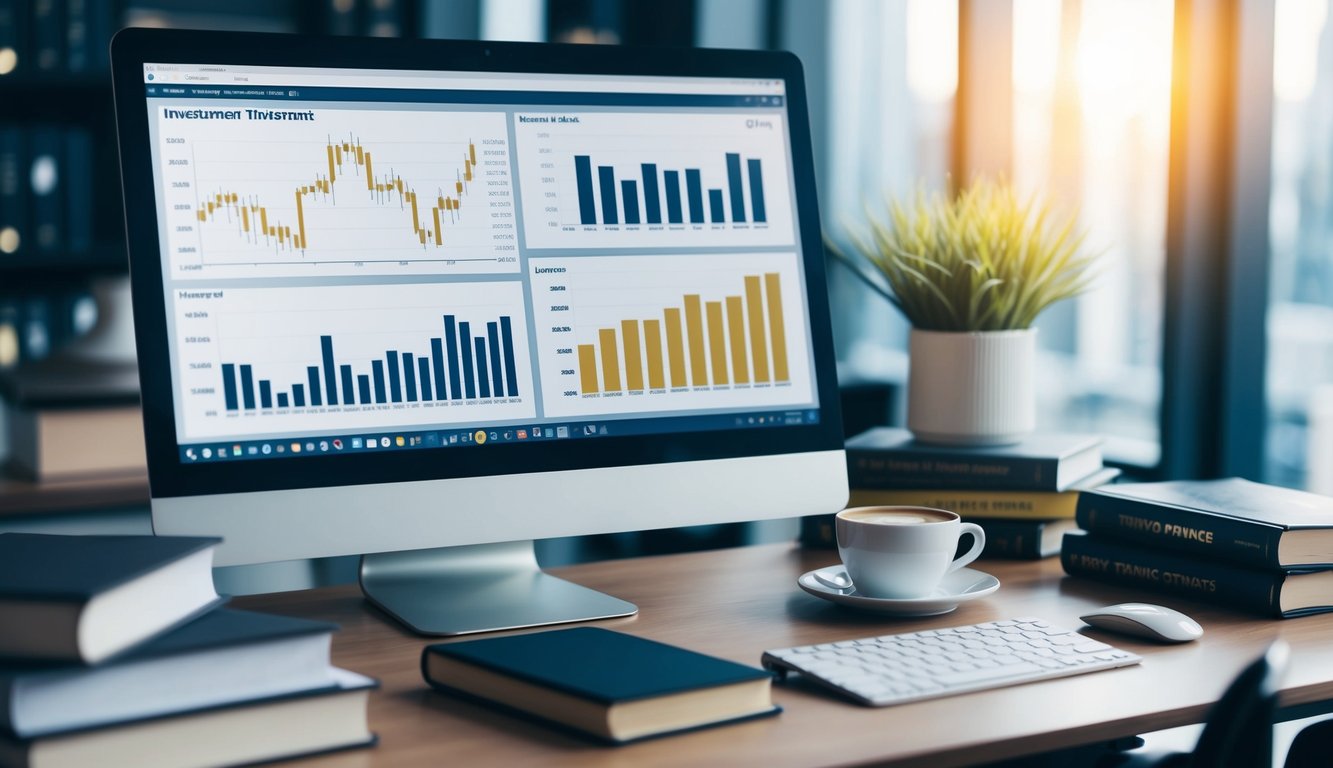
61,212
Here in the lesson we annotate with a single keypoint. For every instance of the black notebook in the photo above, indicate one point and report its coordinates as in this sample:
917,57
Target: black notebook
611,685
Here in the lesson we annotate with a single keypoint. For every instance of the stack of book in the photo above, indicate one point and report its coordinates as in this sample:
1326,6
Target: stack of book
67,418
1244,545
114,652
1022,495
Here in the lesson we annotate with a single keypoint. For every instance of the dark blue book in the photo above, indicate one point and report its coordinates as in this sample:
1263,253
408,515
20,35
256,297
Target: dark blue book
610,685
88,598
1279,594
47,33
79,186
88,28
1233,520
46,188
13,186
223,657
13,36
889,458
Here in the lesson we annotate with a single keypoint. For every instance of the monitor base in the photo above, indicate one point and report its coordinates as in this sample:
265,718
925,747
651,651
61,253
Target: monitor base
480,588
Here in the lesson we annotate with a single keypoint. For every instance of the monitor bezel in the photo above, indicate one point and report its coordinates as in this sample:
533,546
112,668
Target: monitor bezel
133,48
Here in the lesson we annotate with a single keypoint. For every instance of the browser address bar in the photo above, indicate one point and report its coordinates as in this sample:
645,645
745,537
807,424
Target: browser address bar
445,82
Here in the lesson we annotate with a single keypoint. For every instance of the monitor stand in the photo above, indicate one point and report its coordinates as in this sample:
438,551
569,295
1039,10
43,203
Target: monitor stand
479,588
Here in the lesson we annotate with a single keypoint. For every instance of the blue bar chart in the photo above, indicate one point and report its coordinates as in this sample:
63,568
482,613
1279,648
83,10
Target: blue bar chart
625,180
267,360
410,378
651,183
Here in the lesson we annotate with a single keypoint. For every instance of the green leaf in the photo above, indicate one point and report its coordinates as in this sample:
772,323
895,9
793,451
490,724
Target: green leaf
975,258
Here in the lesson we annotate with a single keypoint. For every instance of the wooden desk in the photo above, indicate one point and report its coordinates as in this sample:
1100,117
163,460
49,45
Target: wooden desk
736,603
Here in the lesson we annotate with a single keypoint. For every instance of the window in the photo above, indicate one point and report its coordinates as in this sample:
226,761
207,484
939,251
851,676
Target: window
893,72
1091,85
1299,380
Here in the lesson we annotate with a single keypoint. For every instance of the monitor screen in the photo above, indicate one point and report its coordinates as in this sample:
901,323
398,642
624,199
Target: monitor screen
371,261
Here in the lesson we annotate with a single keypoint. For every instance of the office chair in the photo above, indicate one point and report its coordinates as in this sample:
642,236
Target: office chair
1313,747
1239,729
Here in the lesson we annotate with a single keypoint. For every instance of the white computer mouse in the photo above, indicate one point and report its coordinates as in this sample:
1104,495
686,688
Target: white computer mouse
1145,620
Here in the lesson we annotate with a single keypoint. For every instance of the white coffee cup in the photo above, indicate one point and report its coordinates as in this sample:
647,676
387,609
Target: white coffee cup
902,552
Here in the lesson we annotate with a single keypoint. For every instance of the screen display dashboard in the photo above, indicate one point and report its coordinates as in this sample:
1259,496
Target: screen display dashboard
372,260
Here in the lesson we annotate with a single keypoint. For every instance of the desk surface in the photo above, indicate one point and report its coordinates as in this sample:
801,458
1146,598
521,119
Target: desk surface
736,603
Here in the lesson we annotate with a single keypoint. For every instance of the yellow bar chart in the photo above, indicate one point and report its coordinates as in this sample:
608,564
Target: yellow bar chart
718,347
659,333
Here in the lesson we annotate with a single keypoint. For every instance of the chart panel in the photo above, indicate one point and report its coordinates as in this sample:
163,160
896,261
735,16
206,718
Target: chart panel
259,361
634,334
616,180
338,192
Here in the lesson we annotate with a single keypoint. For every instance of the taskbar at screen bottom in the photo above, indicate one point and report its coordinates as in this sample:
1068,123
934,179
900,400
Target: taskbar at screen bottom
378,441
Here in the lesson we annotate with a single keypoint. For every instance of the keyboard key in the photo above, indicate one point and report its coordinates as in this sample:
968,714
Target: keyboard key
893,669
981,675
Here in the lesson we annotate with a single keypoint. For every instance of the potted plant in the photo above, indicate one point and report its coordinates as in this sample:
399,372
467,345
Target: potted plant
971,272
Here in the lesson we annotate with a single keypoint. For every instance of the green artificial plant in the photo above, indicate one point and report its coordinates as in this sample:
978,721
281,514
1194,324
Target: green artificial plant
981,260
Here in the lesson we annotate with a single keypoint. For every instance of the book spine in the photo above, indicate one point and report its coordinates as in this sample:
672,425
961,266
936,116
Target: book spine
877,469
1179,530
48,35
88,27
817,532
385,18
13,51
340,17
76,34
1126,565
1010,539
13,191
46,179
1034,505
7,724
79,187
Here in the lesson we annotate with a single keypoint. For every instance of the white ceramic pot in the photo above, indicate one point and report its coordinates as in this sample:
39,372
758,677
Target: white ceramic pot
972,388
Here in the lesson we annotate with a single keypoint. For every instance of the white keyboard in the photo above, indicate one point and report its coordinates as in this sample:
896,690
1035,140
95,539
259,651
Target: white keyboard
896,669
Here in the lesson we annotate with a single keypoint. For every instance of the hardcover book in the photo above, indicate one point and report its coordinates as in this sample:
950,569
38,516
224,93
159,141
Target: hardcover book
1022,539
222,657
888,457
51,444
276,728
1235,520
973,503
611,685
1281,594
87,598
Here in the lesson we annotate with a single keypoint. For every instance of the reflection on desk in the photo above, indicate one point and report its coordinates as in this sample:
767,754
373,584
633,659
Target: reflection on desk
735,603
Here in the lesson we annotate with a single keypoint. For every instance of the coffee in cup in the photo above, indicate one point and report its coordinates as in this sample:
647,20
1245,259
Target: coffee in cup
902,552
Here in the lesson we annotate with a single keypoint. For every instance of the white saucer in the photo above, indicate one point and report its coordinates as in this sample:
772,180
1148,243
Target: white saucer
958,587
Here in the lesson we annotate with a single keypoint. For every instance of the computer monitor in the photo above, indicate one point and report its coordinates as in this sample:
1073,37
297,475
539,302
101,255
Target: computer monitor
428,301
